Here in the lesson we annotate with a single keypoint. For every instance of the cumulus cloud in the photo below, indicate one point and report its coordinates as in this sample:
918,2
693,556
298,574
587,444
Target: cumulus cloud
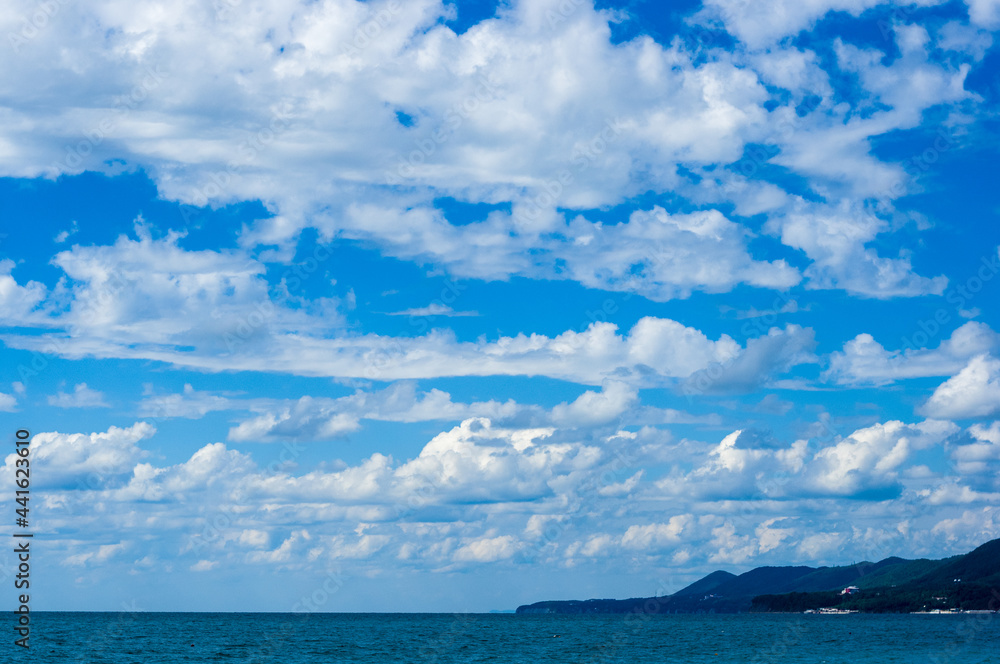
786,17
763,358
909,84
304,422
596,407
287,552
487,550
81,397
204,566
220,503
190,403
746,466
656,254
8,403
738,467
985,13
148,298
980,456
18,303
972,392
97,555
769,537
472,463
869,459
311,418
866,362
543,116
971,528
91,460
834,237
820,545
558,130
657,535
956,36
955,493
483,494
730,547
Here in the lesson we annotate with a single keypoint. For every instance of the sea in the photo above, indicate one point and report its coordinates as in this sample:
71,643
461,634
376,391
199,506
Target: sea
291,638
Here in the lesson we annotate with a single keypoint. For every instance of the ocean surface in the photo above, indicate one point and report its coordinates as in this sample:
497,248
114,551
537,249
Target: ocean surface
148,638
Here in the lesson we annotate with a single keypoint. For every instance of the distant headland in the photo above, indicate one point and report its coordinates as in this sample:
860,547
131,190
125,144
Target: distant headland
969,582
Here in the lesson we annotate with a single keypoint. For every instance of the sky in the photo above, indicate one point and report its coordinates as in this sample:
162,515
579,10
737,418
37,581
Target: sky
333,305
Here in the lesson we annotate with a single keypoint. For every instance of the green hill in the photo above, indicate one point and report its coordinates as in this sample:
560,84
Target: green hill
706,585
982,565
970,581
901,573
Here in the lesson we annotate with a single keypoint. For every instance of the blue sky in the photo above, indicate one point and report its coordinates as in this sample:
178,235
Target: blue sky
453,307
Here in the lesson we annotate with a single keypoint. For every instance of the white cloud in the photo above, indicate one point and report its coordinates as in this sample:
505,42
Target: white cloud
433,309
8,403
970,529
542,115
17,303
487,550
763,358
191,403
81,397
211,465
254,539
102,554
471,463
821,546
956,36
150,299
739,466
483,122
869,460
834,237
655,536
729,547
62,236
784,17
481,494
774,405
303,423
358,547
979,457
592,408
204,566
953,493
658,255
866,362
985,13
911,83
285,553
90,461
973,392
792,69
152,291
311,418
770,538
596,546
622,488
316,418
220,506
551,126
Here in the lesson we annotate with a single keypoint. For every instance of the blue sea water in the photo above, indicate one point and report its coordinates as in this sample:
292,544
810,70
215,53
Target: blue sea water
151,638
